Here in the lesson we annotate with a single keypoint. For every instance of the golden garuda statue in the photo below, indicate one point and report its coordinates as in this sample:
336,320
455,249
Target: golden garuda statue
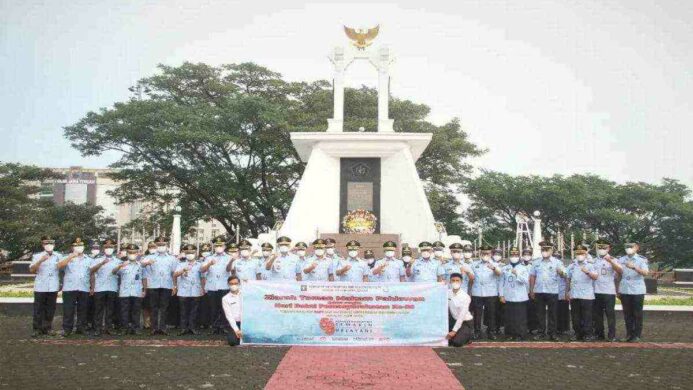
361,37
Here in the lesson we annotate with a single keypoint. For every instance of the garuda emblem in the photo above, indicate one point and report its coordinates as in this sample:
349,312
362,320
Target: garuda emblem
362,37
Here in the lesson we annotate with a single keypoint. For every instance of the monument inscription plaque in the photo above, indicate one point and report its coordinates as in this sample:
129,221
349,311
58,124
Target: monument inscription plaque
360,187
360,195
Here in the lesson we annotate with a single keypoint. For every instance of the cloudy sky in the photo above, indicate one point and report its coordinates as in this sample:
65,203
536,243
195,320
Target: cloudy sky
548,86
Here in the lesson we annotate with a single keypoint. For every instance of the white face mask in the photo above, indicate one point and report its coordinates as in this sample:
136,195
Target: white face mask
630,251
514,259
245,253
602,252
467,255
526,258
546,254
301,253
497,257
95,252
219,249
486,257
456,285
389,253
426,254
330,251
234,288
48,247
284,249
580,258
78,249
190,256
406,259
319,252
132,257
353,254
456,255
266,253
371,261
205,254
438,253
108,251
161,249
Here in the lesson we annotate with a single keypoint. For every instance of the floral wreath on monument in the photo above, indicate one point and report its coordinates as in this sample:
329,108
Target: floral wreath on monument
359,221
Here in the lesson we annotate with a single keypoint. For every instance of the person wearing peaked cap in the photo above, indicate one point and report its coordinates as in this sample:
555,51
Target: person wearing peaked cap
609,270
369,261
389,268
407,257
631,289
527,256
458,265
282,266
159,266
216,270
232,250
246,267
485,292
318,267
122,252
189,277
425,269
544,278
76,288
497,256
331,252
105,288
580,291
133,287
205,251
439,252
352,269
44,265
513,288
151,248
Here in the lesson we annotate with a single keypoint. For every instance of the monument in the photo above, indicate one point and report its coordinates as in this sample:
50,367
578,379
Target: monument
372,172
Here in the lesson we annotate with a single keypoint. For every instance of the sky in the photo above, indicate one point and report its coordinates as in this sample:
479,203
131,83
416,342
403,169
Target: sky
549,87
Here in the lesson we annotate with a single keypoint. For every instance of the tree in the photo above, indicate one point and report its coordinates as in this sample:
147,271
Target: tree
216,140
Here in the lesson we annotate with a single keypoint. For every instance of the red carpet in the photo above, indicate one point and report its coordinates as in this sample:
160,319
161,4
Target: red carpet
362,368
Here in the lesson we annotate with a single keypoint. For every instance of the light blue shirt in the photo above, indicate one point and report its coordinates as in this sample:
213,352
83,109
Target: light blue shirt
391,273
426,270
485,279
632,283
324,268
581,285
77,274
160,273
514,287
246,269
606,282
561,289
131,277
356,272
336,259
452,267
285,267
546,275
190,283
104,279
47,276
217,276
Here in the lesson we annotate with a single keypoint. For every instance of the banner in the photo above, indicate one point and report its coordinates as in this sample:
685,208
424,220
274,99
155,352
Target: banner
343,313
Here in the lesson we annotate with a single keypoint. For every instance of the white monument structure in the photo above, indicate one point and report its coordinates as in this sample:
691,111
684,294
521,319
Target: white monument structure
374,171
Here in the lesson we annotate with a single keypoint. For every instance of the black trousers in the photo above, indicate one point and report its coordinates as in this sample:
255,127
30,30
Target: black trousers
130,311
75,303
203,314
499,315
231,337
532,323
632,314
158,300
563,316
91,311
515,319
581,312
604,304
104,307
463,335
487,307
188,312
546,306
173,311
217,319
44,310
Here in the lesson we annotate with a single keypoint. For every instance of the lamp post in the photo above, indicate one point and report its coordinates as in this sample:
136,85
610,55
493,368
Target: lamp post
175,231
536,250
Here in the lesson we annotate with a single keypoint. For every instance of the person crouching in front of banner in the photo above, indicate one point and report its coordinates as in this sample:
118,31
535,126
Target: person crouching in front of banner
189,282
133,288
514,294
76,288
352,269
46,285
580,291
231,303
459,317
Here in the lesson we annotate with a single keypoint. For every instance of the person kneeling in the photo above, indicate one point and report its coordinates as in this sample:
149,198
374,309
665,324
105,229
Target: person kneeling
231,303
459,317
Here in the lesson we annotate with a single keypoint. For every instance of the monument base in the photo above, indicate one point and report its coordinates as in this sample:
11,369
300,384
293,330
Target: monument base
373,242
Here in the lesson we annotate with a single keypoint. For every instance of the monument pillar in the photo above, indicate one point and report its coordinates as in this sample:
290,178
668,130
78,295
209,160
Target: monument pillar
336,123
385,124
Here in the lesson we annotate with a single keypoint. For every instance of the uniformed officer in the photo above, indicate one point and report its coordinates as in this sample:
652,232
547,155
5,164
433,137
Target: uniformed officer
133,287
608,269
389,268
425,269
543,289
563,308
94,252
527,256
352,269
76,287
580,290
206,251
632,290
407,257
217,269
331,251
159,267
369,261
459,317
532,322
485,292
189,277
458,265
286,265
105,288
246,267
232,250
317,267
46,284
500,306
203,309
514,294
439,252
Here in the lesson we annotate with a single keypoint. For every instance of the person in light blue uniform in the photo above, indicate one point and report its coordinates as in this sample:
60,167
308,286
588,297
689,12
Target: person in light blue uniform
485,292
580,290
608,269
282,266
105,288
76,287
369,262
133,287
631,289
46,285
189,278
318,267
216,269
425,269
331,252
543,289
407,257
459,265
159,267
351,268
389,268
246,267
513,291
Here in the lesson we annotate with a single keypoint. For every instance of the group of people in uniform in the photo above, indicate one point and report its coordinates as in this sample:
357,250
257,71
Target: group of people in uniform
107,290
